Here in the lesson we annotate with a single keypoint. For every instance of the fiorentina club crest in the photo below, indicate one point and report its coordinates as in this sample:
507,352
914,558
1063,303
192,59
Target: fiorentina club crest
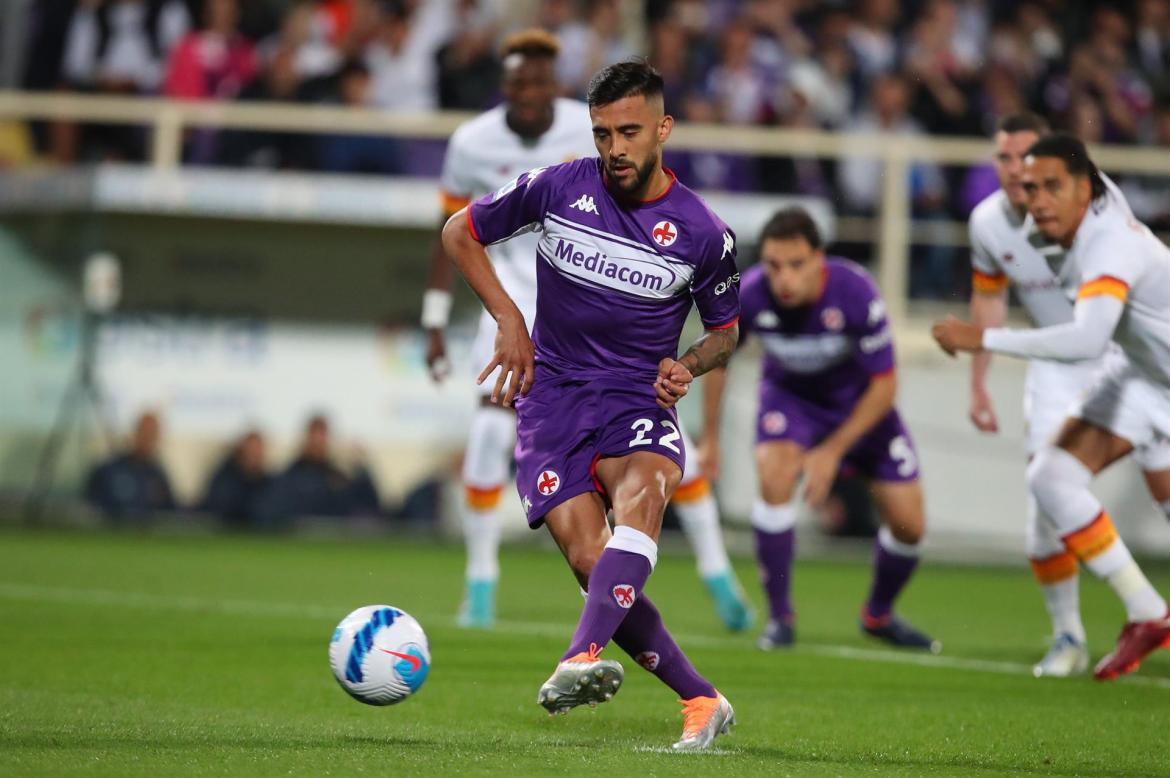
623,595
548,482
648,659
775,423
664,233
833,319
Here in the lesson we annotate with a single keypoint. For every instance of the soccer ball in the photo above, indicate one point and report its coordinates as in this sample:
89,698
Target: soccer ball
379,655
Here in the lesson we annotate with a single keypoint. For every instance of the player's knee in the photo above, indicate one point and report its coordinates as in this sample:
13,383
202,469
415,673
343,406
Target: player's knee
908,530
778,465
1051,474
582,561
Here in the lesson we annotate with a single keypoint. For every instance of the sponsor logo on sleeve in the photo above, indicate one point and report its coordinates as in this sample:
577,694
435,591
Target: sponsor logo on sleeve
730,283
877,341
877,311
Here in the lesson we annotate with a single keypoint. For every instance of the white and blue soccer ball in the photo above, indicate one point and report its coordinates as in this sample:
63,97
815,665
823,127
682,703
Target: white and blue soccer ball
379,654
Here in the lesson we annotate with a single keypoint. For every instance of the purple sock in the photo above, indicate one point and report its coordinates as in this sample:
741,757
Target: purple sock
614,586
774,552
644,637
891,571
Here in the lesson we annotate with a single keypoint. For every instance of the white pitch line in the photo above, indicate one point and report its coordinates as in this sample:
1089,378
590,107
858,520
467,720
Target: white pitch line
258,608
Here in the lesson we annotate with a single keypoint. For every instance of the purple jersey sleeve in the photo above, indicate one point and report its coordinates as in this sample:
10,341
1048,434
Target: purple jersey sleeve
514,207
715,288
867,322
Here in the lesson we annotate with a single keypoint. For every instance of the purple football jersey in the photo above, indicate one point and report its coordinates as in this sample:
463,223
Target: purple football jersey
615,280
827,352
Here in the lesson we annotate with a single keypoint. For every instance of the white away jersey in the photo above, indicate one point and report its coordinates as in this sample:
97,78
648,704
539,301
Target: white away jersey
484,155
1115,254
1009,250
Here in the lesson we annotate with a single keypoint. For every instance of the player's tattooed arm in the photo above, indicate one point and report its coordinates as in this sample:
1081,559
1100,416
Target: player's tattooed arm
705,354
711,351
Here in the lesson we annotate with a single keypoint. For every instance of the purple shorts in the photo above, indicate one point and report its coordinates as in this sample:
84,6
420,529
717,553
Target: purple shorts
565,425
886,453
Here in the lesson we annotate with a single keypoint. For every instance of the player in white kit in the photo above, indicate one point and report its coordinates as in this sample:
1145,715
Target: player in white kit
1009,251
532,129
1122,276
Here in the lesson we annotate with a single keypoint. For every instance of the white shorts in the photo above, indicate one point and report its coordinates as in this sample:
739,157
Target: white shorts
1053,391
1125,401
484,346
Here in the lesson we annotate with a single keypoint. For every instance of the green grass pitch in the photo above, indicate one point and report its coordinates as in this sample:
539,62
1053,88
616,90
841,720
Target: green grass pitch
146,655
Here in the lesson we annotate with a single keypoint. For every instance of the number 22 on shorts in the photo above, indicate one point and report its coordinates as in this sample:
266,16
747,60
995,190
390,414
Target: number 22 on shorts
642,427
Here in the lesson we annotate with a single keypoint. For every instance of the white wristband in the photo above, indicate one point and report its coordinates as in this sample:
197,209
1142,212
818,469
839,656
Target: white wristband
436,309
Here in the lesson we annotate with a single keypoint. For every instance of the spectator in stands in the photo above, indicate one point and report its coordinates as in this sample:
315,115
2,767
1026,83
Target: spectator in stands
402,57
1152,40
738,86
239,486
875,47
280,82
588,46
374,154
132,484
313,485
469,71
115,47
304,36
944,79
215,62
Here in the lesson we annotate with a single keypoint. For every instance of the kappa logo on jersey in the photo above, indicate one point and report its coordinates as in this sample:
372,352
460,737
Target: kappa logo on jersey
664,233
623,595
833,319
515,182
728,244
877,311
648,659
775,423
585,204
548,482
526,504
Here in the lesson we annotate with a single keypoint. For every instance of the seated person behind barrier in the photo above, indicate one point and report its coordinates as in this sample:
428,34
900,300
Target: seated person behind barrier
240,483
132,483
313,485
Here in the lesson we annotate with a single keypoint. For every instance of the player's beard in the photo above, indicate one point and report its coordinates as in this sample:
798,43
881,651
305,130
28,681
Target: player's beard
635,182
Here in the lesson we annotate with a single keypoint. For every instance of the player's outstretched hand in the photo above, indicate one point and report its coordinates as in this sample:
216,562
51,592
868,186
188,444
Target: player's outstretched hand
515,356
982,412
954,335
820,470
673,382
437,364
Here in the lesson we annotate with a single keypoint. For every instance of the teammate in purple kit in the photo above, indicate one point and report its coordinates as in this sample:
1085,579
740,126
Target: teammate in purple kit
624,249
826,404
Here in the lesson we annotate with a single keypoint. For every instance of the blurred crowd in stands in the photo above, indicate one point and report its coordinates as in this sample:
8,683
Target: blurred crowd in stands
940,67
242,491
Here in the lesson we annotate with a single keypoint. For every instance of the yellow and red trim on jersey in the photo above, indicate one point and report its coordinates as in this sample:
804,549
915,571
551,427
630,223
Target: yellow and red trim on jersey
1093,539
1105,285
692,491
471,226
988,283
1056,568
451,203
482,499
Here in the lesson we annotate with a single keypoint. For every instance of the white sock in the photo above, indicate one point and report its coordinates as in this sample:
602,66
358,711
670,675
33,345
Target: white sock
700,521
774,519
1116,567
634,541
481,536
1063,601
890,543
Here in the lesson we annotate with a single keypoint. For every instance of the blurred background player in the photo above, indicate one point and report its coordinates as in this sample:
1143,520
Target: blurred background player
625,252
533,128
1009,252
1123,277
826,403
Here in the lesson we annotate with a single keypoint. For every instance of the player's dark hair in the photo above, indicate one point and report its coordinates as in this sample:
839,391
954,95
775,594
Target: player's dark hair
789,223
1023,122
624,79
531,43
1071,150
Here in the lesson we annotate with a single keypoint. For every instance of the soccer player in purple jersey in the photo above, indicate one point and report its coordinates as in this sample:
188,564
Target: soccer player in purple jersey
826,405
624,249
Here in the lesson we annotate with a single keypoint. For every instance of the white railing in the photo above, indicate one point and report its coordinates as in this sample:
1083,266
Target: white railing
895,229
